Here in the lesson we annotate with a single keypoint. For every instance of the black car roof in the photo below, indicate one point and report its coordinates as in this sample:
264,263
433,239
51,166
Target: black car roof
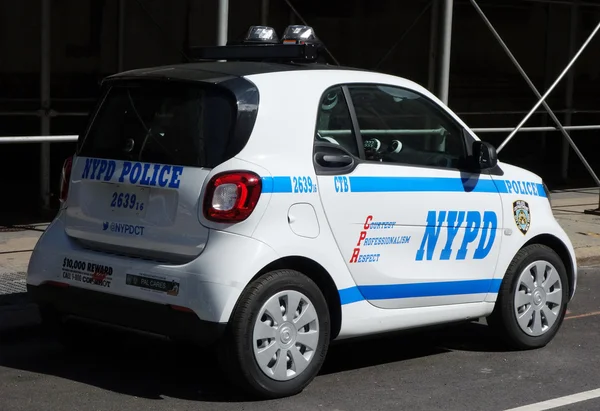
220,71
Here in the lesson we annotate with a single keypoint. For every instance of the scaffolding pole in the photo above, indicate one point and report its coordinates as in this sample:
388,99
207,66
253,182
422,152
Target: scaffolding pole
564,160
434,41
45,103
445,52
121,43
222,22
542,99
535,129
545,96
264,12
38,139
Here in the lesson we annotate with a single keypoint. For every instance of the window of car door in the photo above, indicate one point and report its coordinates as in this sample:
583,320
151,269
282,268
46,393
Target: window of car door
334,123
399,126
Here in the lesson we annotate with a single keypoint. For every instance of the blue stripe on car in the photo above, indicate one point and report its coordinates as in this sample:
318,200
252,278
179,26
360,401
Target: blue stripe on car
276,185
420,184
364,184
415,290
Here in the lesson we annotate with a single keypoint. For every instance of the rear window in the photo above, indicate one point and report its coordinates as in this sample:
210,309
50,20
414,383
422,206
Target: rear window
163,122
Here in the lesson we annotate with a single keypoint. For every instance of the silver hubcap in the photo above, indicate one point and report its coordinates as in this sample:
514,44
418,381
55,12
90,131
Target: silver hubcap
538,298
285,335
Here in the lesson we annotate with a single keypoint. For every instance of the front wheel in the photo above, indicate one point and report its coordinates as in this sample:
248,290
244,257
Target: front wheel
532,300
278,336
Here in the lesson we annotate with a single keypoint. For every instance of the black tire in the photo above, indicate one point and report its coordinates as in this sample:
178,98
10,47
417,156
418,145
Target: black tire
236,352
504,320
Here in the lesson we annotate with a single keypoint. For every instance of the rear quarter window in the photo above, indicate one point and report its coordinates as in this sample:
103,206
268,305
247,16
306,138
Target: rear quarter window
180,123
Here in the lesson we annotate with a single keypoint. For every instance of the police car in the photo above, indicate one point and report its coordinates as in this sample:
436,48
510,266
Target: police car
267,204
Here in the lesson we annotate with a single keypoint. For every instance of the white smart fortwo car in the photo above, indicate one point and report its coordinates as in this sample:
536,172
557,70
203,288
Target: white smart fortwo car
266,202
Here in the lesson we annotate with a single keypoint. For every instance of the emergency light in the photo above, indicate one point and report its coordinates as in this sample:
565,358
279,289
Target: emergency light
299,44
299,35
261,34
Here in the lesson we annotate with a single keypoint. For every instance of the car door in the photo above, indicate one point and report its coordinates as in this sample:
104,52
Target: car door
414,227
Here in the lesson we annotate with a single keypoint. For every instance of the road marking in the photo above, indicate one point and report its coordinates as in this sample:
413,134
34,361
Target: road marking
583,315
560,402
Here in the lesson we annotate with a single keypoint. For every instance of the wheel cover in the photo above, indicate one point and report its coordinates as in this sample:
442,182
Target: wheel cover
286,335
538,298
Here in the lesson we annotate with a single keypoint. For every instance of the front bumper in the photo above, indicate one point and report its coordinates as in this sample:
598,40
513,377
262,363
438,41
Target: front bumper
168,320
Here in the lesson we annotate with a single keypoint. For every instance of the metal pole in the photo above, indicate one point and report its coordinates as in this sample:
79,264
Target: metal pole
537,93
534,129
45,103
564,160
547,72
444,75
222,22
38,113
434,41
551,89
565,2
264,13
38,139
121,45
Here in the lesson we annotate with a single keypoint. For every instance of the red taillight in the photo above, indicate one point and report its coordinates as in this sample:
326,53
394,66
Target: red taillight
180,308
56,284
65,177
232,196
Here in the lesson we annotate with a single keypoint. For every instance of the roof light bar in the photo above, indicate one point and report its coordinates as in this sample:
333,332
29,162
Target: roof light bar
261,43
258,52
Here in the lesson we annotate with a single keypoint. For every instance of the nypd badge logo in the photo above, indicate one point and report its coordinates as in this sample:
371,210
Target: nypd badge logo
522,215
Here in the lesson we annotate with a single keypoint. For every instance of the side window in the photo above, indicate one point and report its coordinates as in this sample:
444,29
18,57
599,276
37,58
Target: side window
334,124
399,126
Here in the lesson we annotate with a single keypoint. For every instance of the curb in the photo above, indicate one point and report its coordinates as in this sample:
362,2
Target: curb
587,256
586,262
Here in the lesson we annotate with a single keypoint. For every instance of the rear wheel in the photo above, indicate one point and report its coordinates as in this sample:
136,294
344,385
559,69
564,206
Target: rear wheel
532,300
278,336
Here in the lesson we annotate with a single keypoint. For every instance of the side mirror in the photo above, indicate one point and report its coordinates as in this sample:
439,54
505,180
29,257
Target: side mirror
484,155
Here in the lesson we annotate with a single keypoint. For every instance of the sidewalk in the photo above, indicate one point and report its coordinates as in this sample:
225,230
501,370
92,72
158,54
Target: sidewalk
583,229
17,243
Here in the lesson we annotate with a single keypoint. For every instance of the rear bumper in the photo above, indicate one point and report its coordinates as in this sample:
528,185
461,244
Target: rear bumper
127,312
209,285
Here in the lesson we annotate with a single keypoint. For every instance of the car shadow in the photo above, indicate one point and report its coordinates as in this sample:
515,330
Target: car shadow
407,345
152,368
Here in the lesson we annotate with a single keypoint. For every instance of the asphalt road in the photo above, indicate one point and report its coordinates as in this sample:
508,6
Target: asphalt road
456,368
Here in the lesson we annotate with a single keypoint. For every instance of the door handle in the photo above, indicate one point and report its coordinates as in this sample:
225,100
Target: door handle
334,160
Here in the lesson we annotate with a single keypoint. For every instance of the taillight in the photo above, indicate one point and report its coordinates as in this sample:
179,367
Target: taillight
232,196
65,177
